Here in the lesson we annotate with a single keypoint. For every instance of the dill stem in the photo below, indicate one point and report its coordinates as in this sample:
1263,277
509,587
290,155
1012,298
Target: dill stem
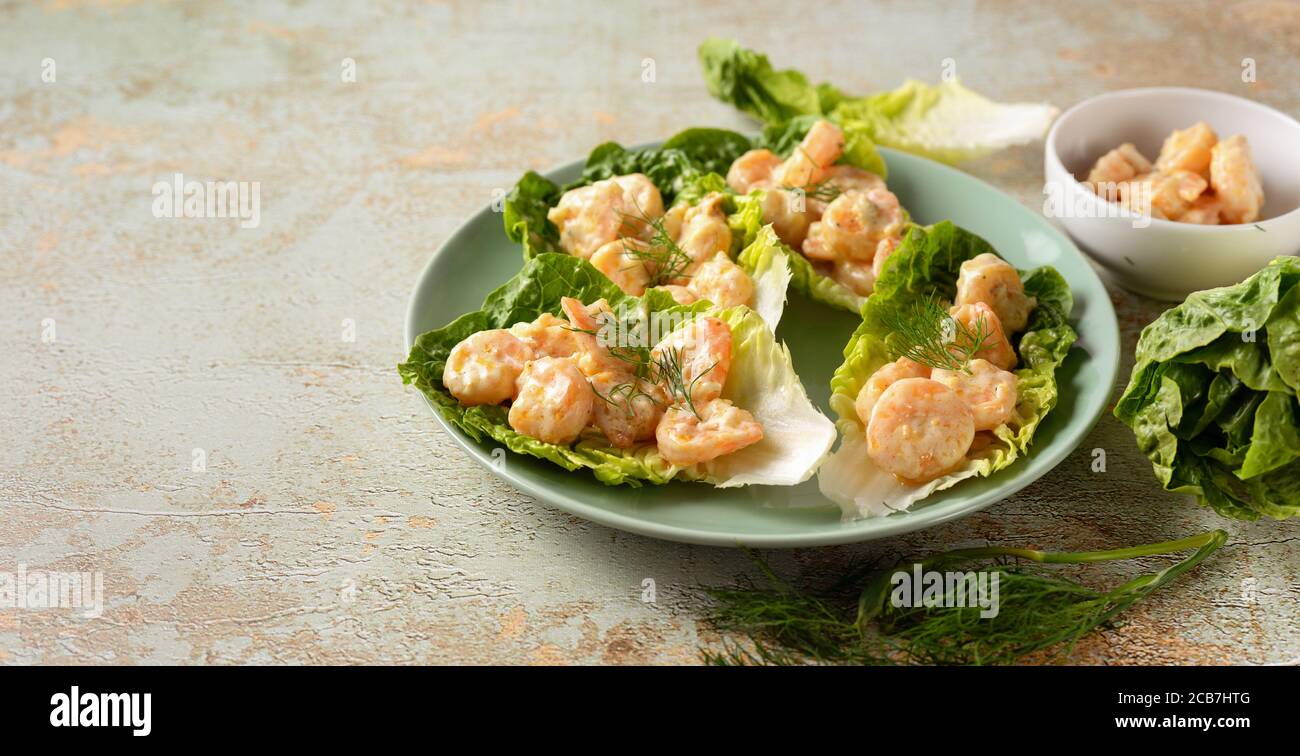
1081,557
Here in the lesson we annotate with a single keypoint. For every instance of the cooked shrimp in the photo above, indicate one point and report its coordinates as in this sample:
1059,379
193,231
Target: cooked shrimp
1171,194
721,281
591,216
821,147
1205,210
997,347
626,410
859,276
482,369
699,354
554,401
704,231
989,279
853,225
850,178
623,262
882,379
788,213
884,249
594,334
988,390
1233,176
1120,164
919,430
1188,150
721,428
751,169
547,336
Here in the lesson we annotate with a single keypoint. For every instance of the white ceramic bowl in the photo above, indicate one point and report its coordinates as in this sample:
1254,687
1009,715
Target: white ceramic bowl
1165,259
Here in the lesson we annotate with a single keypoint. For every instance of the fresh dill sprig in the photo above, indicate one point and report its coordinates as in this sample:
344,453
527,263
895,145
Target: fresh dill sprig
624,394
1037,611
665,260
669,373
929,335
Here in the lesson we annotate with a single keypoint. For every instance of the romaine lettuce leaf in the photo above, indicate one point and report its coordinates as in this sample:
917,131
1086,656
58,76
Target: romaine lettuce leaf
926,265
762,380
1212,398
946,121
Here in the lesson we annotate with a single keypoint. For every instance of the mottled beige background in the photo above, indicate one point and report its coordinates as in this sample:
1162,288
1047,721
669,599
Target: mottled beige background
336,523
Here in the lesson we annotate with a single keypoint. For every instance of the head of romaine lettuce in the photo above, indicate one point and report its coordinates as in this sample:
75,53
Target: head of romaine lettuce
926,266
762,380
945,122
1212,397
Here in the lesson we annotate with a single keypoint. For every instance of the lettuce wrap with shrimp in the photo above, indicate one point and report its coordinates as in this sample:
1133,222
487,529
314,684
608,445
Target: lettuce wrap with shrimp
685,168
925,268
762,380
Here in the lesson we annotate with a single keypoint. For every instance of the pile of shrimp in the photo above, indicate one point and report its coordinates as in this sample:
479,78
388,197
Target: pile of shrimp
560,381
1195,179
619,225
921,421
841,217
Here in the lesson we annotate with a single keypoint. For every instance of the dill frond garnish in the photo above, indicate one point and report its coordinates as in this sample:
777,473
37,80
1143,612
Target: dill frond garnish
856,622
668,373
665,260
624,394
929,335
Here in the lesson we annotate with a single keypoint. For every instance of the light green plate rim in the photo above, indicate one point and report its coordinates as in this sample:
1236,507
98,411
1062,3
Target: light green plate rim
478,258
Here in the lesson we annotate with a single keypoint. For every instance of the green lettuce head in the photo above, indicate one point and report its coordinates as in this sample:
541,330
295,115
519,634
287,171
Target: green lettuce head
1212,398
925,266
762,380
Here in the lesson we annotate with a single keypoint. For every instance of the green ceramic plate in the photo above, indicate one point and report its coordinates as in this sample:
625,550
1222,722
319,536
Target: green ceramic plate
479,257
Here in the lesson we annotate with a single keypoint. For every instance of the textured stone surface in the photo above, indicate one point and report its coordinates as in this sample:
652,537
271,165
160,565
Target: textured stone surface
335,522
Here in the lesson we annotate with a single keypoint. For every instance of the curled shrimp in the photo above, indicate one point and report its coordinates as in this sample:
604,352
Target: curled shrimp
623,262
919,430
722,282
701,229
721,428
883,378
627,409
753,170
547,336
591,333
989,391
853,226
681,294
483,368
997,347
789,215
1119,165
820,148
1188,150
694,360
591,216
1235,181
989,279
554,401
